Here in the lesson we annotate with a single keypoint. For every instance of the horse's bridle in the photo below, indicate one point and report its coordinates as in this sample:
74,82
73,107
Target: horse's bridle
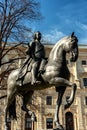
74,53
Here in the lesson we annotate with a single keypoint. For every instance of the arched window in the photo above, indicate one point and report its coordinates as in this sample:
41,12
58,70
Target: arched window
28,123
69,121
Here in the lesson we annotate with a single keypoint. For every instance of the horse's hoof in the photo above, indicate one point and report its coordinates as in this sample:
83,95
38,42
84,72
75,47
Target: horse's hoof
59,128
6,128
66,106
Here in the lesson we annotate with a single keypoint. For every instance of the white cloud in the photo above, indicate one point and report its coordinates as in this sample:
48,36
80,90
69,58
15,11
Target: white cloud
53,36
84,26
81,31
81,25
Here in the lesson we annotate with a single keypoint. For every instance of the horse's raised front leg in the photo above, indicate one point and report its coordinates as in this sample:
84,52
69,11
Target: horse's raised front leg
27,99
60,91
63,82
70,100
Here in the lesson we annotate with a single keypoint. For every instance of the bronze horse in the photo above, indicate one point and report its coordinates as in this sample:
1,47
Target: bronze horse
56,74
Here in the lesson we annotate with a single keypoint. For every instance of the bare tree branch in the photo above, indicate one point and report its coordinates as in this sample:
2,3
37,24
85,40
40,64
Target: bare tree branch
14,17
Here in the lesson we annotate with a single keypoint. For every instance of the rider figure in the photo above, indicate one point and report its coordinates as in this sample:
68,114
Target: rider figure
38,54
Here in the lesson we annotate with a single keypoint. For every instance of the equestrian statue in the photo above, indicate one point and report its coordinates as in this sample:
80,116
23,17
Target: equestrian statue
39,73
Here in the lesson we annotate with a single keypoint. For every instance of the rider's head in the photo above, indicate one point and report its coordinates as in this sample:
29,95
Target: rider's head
37,35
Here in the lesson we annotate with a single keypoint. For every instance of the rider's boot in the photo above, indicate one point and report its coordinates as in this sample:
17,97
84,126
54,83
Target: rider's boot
34,79
42,66
36,82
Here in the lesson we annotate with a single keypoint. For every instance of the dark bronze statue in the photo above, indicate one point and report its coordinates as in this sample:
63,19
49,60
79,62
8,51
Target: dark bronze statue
56,74
37,53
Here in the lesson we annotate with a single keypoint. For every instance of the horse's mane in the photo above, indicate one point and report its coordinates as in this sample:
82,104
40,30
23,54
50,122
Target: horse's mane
58,45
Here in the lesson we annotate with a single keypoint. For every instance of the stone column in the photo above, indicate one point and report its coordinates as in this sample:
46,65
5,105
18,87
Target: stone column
39,118
79,114
75,122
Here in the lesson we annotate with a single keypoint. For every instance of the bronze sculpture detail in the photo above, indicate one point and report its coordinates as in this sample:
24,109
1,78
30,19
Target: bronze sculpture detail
36,52
56,74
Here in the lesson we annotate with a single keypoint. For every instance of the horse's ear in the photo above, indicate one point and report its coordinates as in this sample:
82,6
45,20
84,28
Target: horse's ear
72,34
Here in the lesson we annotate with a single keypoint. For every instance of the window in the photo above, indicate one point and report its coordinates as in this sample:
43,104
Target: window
49,123
28,123
69,121
85,82
85,100
83,62
49,100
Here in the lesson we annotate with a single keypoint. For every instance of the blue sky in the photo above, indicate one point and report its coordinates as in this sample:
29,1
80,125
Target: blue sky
61,18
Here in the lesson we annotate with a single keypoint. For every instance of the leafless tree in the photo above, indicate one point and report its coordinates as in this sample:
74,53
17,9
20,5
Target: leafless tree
15,16
15,19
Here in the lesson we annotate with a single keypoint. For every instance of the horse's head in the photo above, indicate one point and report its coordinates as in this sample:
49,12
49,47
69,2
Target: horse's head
71,46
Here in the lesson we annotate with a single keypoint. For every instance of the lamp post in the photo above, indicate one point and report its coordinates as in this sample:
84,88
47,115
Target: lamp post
32,125
33,119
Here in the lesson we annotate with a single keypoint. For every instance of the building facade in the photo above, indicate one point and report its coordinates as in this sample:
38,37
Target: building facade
44,102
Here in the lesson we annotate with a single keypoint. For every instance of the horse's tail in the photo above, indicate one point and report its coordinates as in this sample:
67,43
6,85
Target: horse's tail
12,110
